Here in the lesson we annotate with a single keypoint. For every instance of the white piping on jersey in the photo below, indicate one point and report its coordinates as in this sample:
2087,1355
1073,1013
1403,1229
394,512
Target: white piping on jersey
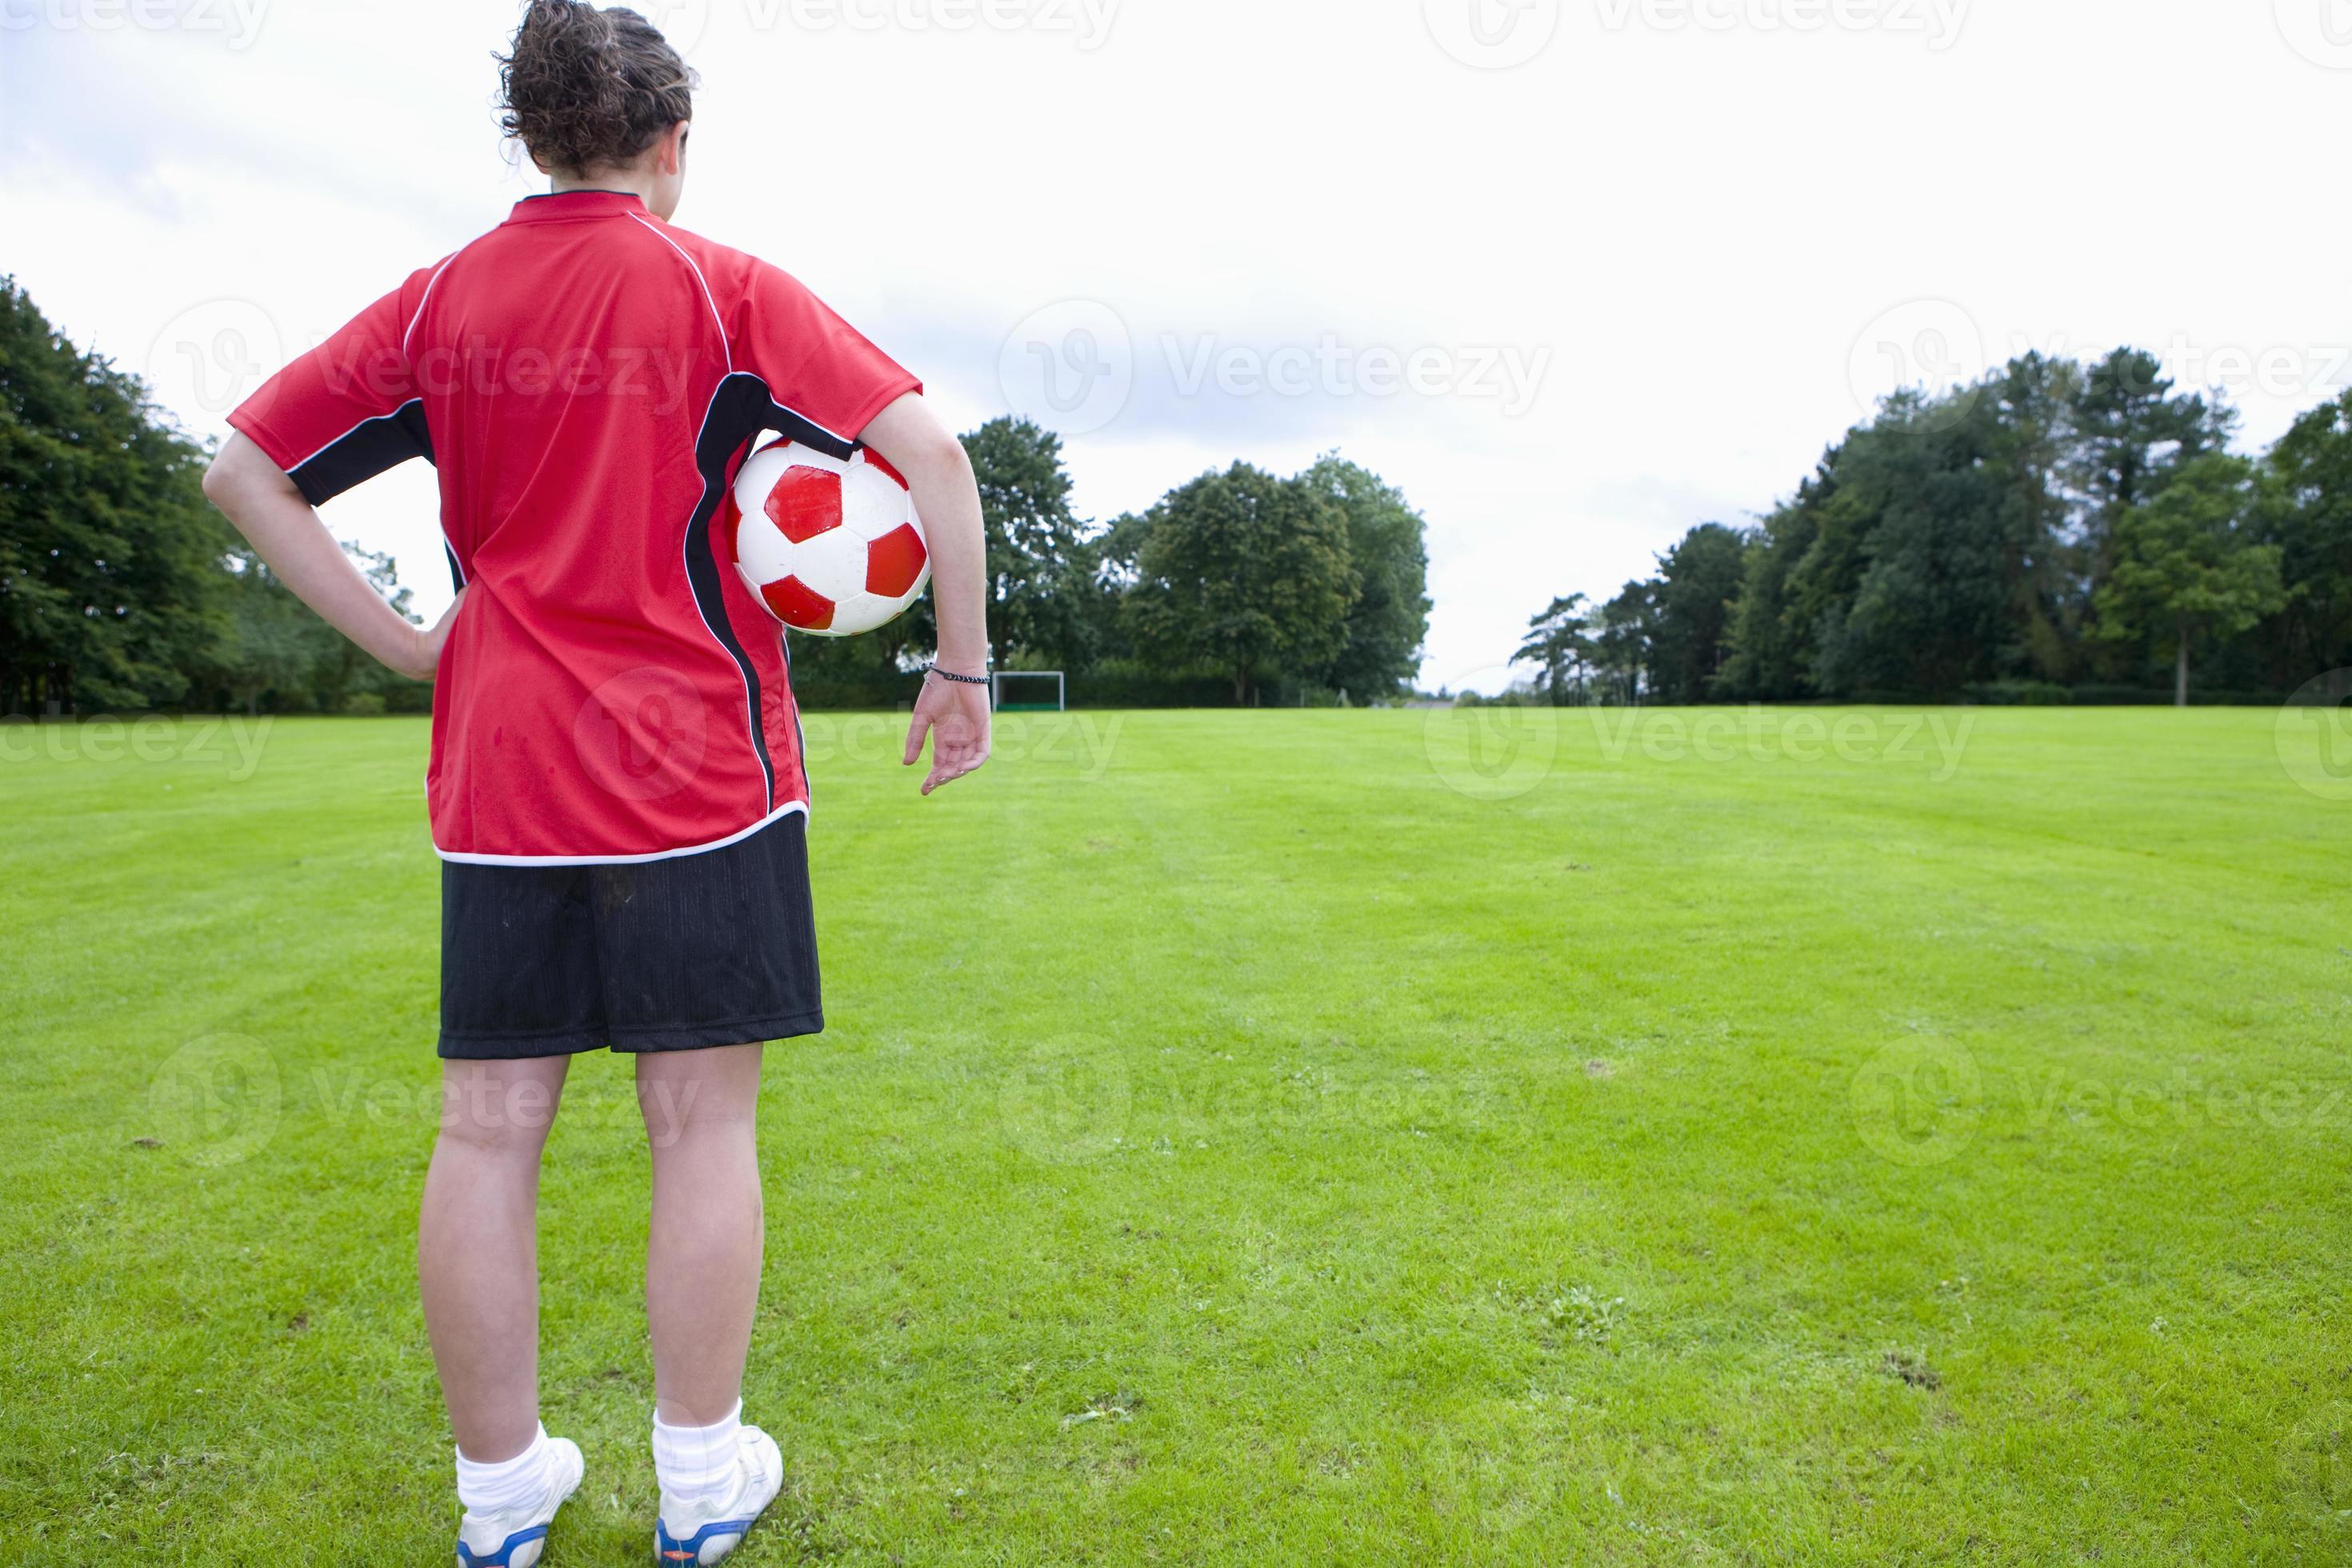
427,296
686,539
378,419
724,347
776,815
751,711
371,419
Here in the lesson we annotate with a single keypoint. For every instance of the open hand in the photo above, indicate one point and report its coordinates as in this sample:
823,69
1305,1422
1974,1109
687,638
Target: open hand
956,717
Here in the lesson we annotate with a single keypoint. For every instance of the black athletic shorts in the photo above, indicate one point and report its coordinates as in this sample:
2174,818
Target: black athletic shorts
714,949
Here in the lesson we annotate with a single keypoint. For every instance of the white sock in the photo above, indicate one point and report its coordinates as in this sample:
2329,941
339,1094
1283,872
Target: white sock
699,1464
511,1483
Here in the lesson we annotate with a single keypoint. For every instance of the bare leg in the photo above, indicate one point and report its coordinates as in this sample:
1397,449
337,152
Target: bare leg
702,1262
478,1249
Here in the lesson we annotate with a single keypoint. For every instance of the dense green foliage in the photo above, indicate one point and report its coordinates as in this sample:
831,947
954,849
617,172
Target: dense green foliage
1926,1145
2053,528
121,588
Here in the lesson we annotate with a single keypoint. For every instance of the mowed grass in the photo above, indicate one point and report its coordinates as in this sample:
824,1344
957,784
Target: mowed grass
1261,1139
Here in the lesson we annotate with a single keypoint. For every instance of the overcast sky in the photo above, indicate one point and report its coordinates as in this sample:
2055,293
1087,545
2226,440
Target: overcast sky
1576,274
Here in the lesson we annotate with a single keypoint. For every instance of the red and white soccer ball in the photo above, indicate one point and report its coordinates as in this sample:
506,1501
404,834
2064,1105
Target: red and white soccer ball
832,546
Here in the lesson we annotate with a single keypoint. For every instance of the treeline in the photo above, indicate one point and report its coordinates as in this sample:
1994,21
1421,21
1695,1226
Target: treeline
2056,532
121,590
1238,589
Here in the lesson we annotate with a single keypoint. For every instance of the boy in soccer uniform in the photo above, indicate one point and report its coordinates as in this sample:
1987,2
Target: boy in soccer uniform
617,787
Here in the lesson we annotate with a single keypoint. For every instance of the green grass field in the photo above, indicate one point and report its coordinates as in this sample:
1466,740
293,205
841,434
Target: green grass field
1262,1139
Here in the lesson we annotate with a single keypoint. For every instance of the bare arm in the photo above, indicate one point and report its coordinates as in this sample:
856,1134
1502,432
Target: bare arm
955,715
284,532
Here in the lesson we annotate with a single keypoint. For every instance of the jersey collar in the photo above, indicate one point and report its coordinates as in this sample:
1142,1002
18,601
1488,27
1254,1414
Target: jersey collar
558,204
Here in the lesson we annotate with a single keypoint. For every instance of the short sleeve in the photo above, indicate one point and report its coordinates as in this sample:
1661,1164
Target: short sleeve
815,365
347,410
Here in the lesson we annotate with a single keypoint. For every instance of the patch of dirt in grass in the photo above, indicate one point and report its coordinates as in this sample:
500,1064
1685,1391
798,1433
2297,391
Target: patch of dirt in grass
1912,1368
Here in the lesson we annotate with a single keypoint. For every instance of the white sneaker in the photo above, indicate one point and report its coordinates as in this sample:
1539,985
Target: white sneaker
514,1537
706,1531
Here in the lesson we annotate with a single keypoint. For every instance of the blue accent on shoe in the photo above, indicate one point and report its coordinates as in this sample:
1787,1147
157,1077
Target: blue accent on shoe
505,1553
672,1549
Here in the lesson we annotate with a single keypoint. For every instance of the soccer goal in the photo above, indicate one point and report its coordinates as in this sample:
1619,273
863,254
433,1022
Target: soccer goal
1029,691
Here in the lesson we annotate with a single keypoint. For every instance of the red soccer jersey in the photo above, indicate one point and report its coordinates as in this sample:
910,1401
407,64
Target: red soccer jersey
587,380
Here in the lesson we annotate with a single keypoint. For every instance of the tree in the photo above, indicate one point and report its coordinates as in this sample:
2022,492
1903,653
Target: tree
108,555
276,652
2183,564
1556,645
1698,580
1624,633
2304,508
1033,539
1246,573
1380,651
2131,432
1930,610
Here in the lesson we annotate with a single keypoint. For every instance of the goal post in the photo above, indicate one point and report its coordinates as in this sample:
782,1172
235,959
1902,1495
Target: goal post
1029,691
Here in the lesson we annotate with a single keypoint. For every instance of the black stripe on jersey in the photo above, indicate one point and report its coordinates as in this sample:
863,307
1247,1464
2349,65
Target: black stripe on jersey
740,409
363,451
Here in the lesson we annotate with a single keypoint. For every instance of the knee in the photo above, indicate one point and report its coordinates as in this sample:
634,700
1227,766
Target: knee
489,1116
707,1095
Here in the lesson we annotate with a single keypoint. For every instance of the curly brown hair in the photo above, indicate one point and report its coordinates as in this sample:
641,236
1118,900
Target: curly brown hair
586,88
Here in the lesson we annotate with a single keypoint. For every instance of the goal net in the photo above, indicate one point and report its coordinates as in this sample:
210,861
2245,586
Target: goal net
1029,691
